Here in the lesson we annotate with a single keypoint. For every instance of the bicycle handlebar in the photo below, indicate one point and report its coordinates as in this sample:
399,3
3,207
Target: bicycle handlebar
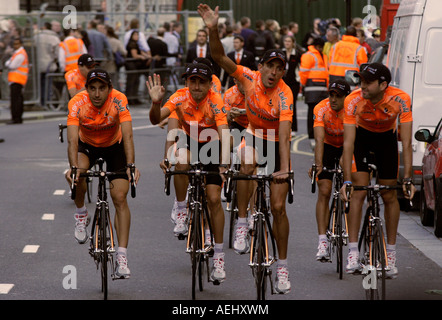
100,173
191,172
231,175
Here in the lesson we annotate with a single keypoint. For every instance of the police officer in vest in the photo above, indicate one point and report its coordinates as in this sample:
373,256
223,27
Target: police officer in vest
18,66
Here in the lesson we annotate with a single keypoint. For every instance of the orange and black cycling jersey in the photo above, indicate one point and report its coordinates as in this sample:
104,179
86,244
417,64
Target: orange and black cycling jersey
266,107
332,121
74,79
381,117
235,99
99,127
210,113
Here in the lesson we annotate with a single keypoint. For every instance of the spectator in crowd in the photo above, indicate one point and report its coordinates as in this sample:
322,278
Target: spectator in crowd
245,30
360,34
345,55
293,29
102,48
293,54
159,52
260,41
333,36
47,42
201,49
142,43
375,41
172,42
241,57
118,50
137,60
227,41
312,34
83,35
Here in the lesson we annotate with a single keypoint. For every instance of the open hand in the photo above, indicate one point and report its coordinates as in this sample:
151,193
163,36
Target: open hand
209,16
156,90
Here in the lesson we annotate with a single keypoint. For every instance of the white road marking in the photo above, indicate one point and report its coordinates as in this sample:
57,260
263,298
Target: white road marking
30,248
48,216
5,288
59,192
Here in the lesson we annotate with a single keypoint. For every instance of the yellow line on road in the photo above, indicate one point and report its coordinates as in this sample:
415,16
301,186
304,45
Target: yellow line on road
295,144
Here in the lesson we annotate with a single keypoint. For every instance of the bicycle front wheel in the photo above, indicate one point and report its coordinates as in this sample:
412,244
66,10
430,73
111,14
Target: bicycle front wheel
195,238
379,260
103,251
258,258
233,214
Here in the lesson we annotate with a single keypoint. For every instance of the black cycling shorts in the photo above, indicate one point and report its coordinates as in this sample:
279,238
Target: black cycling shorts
204,155
268,152
114,157
330,156
380,148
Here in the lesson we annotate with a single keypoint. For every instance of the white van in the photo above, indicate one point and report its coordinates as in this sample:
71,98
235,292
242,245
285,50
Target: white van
414,59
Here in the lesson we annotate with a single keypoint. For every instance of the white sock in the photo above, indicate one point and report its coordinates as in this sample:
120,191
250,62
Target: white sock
391,247
122,251
353,247
182,204
242,221
282,263
82,210
218,249
322,238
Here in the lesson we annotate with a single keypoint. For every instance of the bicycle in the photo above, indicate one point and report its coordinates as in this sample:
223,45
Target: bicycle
89,183
337,235
198,221
371,243
262,249
102,244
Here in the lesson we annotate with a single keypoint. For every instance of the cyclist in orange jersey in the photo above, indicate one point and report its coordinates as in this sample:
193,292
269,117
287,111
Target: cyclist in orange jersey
372,115
329,135
269,107
100,126
198,113
76,78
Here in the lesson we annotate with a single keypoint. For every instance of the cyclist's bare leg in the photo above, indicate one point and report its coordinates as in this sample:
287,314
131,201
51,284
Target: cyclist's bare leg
391,211
356,202
216,211
181,181
322,205
281,227
83,162
118,191
245,187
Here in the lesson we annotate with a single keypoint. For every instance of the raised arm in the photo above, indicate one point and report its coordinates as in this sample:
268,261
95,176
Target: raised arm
210,18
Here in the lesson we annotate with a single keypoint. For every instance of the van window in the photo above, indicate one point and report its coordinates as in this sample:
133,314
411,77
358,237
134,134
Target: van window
432,66
397,50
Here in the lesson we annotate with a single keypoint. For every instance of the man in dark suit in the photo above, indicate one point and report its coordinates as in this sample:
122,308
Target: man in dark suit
241,57
201,49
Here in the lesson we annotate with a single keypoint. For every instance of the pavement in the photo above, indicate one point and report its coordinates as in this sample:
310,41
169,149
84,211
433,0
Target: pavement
410,227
